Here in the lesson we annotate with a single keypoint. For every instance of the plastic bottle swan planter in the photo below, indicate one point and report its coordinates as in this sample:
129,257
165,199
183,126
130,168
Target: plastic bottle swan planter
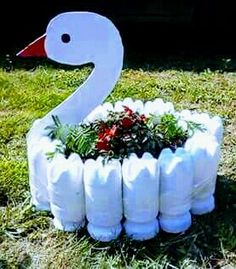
74,190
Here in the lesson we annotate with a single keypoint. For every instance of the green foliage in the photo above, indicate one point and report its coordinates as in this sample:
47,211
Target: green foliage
121,134
59,149
193,126
126,132
81,140
58,130
75,139
166,128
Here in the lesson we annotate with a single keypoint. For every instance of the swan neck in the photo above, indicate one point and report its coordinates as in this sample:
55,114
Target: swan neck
87,97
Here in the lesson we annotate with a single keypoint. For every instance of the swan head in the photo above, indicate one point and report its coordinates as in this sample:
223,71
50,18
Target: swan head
77,38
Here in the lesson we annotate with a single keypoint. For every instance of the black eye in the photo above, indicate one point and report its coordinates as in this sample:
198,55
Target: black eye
65,38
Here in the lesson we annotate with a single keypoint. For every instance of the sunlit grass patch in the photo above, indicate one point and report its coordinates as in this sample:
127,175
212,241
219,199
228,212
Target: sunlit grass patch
28,238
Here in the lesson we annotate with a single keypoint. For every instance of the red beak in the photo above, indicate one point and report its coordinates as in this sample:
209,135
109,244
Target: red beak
34,49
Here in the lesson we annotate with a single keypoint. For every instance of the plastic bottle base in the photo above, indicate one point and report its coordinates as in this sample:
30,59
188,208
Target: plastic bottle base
175,224
141,231
104,234
204,206
42,206
68,226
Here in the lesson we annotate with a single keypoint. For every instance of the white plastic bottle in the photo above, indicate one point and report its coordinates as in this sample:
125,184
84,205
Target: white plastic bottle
205,151
212,125
215,127
38,163
66,192
176,182
141,196
103,196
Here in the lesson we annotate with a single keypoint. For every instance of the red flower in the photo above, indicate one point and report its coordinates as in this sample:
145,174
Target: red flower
108,132
105,137
103,145
113,131
128,110
103,127
126,122
142,118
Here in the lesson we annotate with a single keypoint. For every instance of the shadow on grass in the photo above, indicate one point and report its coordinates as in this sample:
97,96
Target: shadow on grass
207,244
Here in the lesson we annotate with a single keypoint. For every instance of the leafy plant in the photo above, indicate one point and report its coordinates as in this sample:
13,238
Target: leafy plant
58,130
193,126
60,148
121,134
124,133
81,140
167,129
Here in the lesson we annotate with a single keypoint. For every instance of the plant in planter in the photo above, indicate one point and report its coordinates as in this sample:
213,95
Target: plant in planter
121,134
123,145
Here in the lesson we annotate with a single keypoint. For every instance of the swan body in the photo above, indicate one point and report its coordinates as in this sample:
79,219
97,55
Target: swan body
73,38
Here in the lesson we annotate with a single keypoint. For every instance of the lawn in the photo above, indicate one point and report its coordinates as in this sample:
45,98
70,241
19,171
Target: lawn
27,237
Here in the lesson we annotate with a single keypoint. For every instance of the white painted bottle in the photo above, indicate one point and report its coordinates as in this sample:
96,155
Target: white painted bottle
212,125
103,196
66,192
141,196
38,163
176,182
215,127
205,151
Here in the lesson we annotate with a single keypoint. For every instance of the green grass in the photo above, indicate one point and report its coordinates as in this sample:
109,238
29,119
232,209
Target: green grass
27,237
